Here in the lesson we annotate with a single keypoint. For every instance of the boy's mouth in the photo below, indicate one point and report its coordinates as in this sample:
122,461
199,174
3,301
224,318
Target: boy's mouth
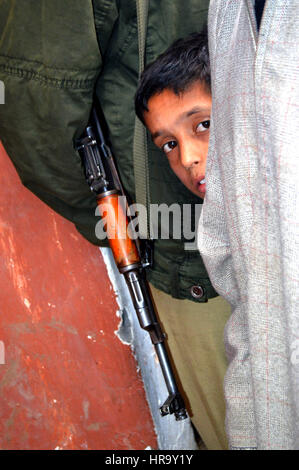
201,186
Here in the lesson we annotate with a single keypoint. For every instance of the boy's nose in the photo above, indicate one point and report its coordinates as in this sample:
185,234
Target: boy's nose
190,155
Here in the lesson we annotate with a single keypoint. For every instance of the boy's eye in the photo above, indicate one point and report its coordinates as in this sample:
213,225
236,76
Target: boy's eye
169,146
203,126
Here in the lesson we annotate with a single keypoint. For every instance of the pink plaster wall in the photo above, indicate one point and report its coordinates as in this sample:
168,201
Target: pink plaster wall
67,381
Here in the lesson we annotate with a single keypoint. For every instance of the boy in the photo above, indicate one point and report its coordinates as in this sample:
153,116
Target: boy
174,101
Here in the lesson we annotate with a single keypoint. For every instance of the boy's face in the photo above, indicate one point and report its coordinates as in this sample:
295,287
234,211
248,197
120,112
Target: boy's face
179,125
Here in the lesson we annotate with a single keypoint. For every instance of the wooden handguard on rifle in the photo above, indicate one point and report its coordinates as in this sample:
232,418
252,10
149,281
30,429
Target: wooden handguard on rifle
103,179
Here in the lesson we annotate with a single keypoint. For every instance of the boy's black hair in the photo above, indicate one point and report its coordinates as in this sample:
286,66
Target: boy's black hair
184,62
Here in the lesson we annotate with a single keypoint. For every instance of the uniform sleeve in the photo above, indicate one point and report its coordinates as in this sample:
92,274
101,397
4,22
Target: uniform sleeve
49,63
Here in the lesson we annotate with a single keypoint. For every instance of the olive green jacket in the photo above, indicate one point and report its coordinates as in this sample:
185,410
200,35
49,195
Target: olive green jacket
53,55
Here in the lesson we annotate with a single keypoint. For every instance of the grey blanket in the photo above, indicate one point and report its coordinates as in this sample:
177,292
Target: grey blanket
248,233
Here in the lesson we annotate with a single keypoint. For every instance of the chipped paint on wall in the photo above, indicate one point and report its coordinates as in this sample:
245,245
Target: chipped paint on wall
172,434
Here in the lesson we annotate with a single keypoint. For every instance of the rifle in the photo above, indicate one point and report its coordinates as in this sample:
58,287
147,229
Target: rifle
102,177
